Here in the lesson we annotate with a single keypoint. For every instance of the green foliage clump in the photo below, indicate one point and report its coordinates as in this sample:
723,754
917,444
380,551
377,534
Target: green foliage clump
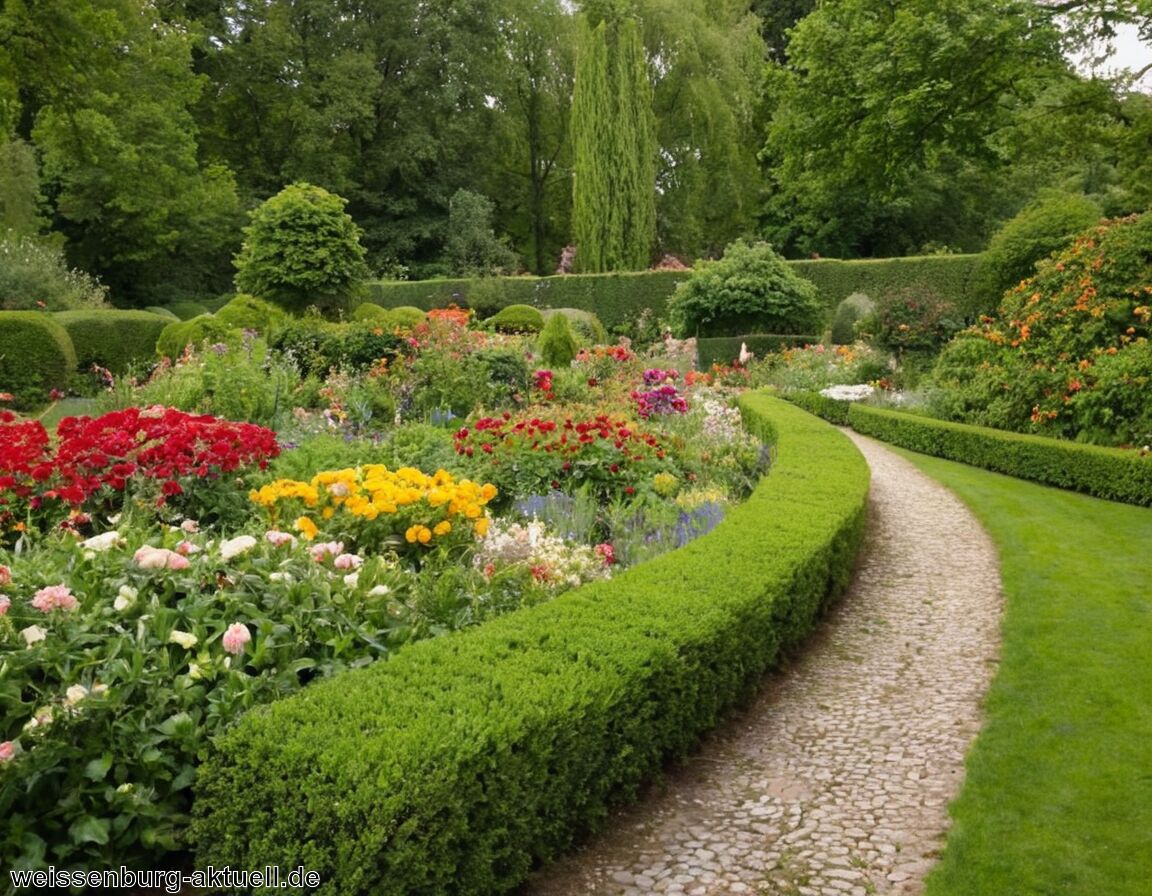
36,356
34,275
1065,354
114,339
516,319
163,312
405,317
557,343
472,249
1038,230
910,319
1103,472
585,324
369,311
301,249
750,290
246,312
316,346
187,309
462,762
176,336
848,312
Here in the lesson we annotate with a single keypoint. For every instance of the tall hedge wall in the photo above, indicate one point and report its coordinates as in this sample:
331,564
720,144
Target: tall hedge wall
464,761
617,298
113,339
36,356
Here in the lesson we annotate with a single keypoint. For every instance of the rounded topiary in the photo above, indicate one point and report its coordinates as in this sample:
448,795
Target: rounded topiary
406,317
163,312
114,339
369,311
302,249
1039,229
36,356
750,290
852,309
557,343
516,319
176,336
188,309
246,312
586,325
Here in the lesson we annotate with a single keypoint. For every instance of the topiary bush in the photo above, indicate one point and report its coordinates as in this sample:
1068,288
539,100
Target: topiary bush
36,356
516,319
848,312
585,325
301,248
245,312
750,290
369,311
557,343
405,317
163,312
178,335
188,309
1044,226
114,339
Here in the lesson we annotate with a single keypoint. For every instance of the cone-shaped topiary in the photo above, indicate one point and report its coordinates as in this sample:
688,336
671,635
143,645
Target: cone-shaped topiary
557,342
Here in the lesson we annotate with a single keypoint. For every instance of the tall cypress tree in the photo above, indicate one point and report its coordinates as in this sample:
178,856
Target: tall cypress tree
614,130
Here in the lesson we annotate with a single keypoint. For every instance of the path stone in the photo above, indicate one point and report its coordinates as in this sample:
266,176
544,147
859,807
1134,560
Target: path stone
836,779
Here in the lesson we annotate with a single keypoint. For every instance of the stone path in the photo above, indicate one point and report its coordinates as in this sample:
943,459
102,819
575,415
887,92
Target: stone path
836,779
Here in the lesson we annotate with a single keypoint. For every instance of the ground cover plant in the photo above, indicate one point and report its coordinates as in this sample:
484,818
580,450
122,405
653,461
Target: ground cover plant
1054,800
164,568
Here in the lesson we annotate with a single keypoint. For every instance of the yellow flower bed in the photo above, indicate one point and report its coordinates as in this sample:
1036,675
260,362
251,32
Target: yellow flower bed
378,507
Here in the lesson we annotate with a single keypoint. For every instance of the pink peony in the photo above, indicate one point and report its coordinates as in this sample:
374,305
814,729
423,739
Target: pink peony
5,603
5,575
54,597
347,561
324,549
279,539
185,548
149,557
7,751
236,637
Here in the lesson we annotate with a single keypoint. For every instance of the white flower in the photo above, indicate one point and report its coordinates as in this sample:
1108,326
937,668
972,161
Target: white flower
33,635
848,393
75,694
194,671
379,591
125,597
103,542
234,547
352,579
279,577
187,640
42,717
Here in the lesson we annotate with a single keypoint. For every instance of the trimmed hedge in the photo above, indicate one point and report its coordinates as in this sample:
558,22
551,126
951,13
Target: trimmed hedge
113,339
245,312
726,349
1103,472
831,409
188,309
36,356
619,298
516,319
463,761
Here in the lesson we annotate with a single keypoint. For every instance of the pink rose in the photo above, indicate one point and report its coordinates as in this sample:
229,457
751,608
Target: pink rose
347,561
7,751
149,557
5,575
279,539
320,551
236,637
54,597
186,547
5,603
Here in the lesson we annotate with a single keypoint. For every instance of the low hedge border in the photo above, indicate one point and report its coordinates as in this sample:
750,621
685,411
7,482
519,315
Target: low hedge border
1109,473
463,761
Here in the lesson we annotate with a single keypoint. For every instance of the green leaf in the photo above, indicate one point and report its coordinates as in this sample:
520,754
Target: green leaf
89,830
97,769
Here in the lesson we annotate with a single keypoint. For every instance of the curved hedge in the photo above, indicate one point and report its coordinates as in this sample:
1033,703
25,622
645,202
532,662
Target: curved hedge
1103,472
113,339
465,760
36,355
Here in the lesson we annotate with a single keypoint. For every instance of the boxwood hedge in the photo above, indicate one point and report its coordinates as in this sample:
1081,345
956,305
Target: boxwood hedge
113,339
1104,472
36,355
462,762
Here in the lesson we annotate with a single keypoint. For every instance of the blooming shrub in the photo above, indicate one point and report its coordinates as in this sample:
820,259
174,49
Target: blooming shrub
660,396
381,509
553,562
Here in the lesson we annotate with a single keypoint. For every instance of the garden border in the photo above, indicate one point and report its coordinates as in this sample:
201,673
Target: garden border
465,760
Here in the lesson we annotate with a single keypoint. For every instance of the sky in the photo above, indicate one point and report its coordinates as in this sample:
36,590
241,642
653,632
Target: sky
1130,53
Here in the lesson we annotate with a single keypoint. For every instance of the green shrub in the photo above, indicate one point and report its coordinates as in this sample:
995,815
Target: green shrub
1039,229
34,275
852,309
465,760
831,409
751,289
1103,472
505,372
585,324
405,317
301,249
911,319
36,356
369,311
725,350
305,341
115,340
516,319
176,336
557,342
245,312
187,310
163,312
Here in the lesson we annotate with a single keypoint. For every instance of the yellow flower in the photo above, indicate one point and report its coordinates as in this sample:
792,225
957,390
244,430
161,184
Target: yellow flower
480,527
442,528
306,527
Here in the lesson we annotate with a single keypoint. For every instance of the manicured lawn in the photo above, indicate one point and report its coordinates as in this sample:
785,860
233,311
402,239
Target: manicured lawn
66,407
1058,794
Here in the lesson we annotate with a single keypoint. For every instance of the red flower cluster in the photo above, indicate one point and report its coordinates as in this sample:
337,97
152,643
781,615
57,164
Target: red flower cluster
158,444
542,383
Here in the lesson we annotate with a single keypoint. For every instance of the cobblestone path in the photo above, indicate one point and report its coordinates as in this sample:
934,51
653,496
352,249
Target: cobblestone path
836,779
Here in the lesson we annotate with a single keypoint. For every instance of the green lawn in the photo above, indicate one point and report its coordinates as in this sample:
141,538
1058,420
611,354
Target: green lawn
1058,794
66,407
